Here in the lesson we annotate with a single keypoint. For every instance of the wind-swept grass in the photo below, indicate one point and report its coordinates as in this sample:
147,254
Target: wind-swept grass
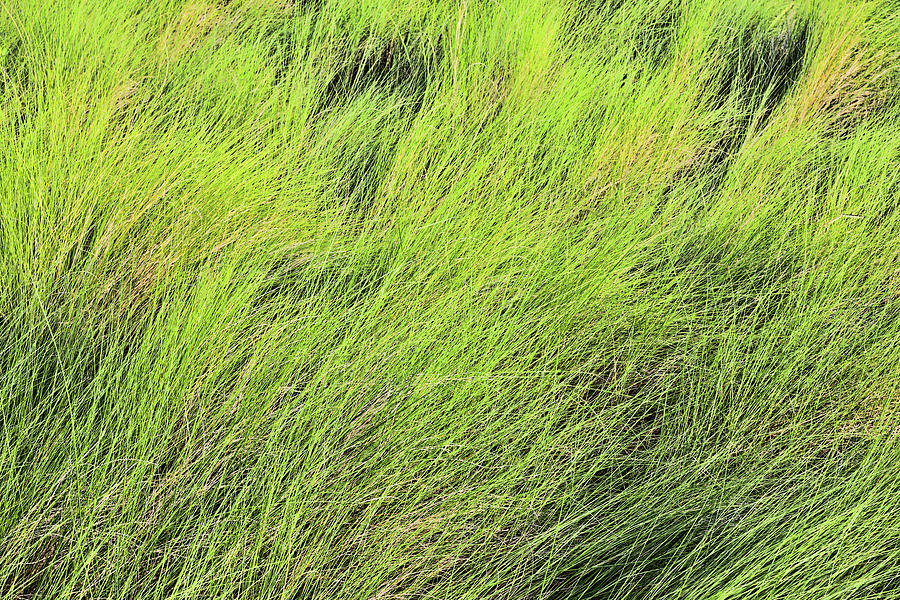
465,300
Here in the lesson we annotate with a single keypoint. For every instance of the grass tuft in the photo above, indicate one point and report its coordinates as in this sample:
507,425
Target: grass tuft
472,300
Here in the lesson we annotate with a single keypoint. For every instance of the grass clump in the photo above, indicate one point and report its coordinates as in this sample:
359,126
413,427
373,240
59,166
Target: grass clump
469,300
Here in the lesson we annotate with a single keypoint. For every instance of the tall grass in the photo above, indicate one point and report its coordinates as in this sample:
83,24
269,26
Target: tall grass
449,299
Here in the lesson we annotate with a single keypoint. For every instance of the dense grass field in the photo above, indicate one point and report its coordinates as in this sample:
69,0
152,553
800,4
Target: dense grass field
449,299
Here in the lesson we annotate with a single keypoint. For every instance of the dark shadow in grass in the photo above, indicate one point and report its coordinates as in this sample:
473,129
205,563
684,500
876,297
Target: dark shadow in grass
649,561
404,64
588,13
671,537
296,277
719,288
15,77
281,50
363,172
396,69
282,37
656,34
758,68
80,250
629,566
49,382
14,68
881,573
718,280
292,286
29,582
650,31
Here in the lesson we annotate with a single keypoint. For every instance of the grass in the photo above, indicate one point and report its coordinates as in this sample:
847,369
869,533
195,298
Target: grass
478,299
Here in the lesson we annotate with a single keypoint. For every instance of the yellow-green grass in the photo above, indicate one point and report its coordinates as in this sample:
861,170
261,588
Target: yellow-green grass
459,299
